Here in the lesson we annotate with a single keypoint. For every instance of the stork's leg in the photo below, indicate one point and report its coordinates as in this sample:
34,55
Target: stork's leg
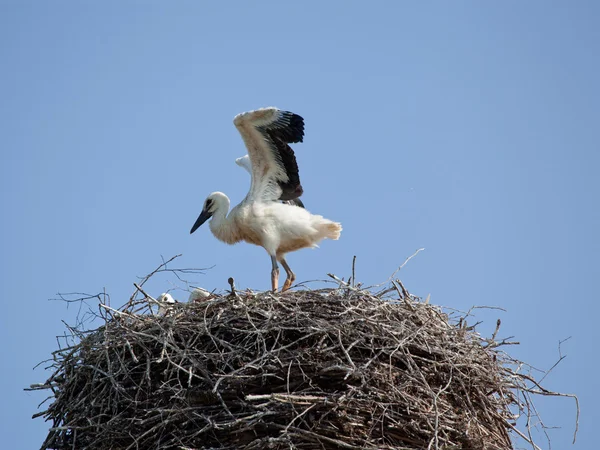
291,276
274,274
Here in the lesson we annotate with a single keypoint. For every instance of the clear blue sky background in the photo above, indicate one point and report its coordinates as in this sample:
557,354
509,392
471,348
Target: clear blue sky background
468,128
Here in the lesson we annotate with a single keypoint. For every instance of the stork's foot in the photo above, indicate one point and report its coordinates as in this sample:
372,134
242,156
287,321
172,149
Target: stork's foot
288,283
291,277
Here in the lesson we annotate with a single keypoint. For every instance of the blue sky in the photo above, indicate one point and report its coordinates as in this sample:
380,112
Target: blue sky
467,128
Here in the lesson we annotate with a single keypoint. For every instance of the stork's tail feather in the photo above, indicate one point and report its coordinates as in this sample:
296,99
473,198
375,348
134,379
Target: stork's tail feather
331,230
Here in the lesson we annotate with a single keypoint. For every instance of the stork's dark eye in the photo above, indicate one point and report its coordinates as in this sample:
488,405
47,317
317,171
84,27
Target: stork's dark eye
208,204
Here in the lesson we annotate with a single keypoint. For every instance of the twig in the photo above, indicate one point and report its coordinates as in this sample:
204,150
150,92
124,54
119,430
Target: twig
145,294
560,358
341,282
300,399
498,322
399,268
231,282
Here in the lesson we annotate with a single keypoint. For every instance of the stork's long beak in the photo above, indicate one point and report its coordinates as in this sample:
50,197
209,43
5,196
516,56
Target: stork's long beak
203,217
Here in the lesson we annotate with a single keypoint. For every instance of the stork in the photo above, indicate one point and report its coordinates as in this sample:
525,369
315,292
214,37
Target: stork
165,301
261,219
198,295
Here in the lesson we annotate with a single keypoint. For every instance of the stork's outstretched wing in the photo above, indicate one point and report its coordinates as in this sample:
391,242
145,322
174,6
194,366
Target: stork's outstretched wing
267,133
244,161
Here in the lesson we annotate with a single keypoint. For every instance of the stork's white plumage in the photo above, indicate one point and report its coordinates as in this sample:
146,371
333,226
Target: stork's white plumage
164,302
261,219
244,162
198,295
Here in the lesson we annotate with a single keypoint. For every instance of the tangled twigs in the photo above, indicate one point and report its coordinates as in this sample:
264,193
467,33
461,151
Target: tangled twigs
314,369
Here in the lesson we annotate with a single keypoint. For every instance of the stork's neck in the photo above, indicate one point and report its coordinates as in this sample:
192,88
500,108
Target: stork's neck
222,226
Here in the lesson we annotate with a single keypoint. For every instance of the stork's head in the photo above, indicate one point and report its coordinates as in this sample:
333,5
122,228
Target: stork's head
165,298
164,302
217,201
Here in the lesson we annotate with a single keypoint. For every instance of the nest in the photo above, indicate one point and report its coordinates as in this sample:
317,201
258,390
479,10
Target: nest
339,368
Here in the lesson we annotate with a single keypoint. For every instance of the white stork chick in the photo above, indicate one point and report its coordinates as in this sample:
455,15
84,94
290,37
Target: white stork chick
164,303
198,295
261,219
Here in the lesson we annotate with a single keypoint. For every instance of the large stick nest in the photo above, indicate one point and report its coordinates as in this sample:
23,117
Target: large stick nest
315,369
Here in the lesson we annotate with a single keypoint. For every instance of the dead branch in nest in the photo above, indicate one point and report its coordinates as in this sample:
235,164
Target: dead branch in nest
313,369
